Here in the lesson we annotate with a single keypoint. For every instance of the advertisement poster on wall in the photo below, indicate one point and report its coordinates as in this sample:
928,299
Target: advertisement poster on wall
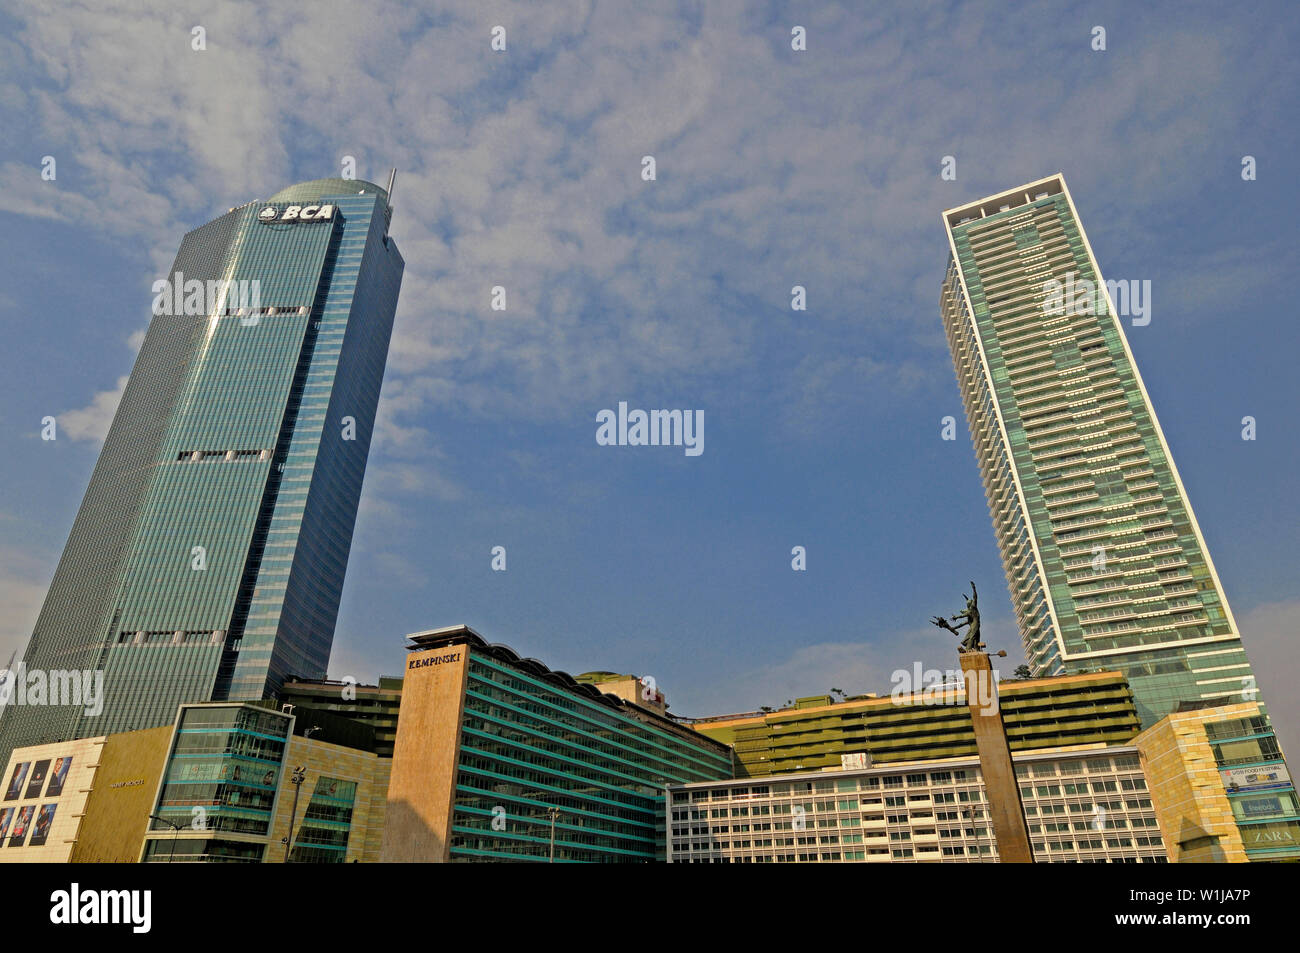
16,781
44,818
36,780
58,777
21,824
1259,778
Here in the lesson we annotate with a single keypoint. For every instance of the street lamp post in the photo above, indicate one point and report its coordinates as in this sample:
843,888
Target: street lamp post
299,776
175,829
553,813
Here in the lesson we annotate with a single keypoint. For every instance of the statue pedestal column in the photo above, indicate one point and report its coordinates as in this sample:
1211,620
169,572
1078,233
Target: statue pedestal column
1000,785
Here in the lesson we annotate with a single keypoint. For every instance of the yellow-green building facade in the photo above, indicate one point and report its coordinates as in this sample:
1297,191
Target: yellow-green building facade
817,733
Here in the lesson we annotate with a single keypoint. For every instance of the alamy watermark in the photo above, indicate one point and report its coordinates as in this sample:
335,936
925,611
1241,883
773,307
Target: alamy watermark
1074,295
177,295
655,428
977,688
62,687
131,908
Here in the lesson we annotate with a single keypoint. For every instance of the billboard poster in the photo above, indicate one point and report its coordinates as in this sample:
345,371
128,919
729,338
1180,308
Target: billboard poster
16,781
21,823
1252,807
6,818
198,771
44,818
58,776
36,780
1259,778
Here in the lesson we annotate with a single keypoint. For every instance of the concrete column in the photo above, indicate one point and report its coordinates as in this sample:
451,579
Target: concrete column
1000,785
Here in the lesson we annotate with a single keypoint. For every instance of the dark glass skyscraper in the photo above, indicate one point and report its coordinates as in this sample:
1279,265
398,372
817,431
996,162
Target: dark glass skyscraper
207,559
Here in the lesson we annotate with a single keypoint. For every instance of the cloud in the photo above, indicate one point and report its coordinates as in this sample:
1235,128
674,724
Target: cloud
1217,282
523,169
22,192
405,463
856,667
92,421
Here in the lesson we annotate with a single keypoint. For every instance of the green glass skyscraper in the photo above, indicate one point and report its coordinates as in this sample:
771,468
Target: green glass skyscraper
1104,559
207,559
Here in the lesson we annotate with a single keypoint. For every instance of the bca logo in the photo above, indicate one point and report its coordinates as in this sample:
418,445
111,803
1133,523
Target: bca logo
297,213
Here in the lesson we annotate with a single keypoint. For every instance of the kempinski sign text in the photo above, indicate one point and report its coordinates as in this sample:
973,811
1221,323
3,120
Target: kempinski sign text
434,660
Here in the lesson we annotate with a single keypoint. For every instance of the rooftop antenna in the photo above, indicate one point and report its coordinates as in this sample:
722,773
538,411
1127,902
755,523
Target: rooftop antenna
388,209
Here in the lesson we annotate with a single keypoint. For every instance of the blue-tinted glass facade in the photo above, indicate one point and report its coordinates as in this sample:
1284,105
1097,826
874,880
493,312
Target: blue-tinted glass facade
222,776
528,747
322,836
208,557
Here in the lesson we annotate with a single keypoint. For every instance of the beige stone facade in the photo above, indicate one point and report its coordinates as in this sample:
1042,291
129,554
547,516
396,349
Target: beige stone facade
1187,791
418,824
370,773
100,808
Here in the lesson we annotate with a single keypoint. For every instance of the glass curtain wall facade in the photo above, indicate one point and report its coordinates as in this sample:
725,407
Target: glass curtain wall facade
1259,788
1106,565
207,559
527,747
221,781
322,835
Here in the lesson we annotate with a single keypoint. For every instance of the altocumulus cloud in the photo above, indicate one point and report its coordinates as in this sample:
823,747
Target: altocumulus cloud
522,169
92,421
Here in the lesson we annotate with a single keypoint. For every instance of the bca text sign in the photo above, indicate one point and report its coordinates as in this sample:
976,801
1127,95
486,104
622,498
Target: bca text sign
296,213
